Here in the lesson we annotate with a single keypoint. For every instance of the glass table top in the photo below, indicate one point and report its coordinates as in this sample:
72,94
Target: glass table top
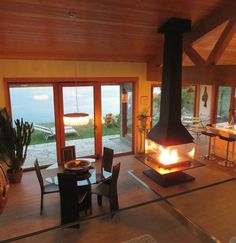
50,174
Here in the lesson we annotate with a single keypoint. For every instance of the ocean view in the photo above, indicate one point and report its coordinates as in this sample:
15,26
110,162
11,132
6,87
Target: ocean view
35,104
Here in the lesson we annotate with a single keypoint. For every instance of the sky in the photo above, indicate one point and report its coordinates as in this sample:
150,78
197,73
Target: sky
35,104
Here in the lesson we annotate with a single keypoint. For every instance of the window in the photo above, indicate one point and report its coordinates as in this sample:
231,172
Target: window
35,103
188,101
156,103
223,104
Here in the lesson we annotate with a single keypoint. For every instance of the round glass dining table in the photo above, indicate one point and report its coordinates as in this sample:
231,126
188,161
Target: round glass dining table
50,174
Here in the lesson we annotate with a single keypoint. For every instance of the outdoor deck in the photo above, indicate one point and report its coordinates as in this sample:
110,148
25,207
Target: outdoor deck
46,153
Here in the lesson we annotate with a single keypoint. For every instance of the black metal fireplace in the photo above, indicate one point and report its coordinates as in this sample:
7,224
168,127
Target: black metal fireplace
169,130
169,147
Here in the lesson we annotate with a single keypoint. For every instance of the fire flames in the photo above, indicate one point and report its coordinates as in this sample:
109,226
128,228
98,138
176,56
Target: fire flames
192,153
172,155
168,156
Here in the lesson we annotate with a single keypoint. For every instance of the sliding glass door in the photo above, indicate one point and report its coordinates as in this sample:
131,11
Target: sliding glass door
79,100
187,102
35,103
117,116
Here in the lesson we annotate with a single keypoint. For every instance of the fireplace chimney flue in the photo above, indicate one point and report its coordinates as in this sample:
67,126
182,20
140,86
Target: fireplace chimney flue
169,131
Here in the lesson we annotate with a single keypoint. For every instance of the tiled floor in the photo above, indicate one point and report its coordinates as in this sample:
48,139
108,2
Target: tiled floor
46,153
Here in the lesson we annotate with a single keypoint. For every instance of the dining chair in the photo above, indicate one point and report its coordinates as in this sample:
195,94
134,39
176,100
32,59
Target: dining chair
71,198
107,159
68,153
109,190
4,189
45,189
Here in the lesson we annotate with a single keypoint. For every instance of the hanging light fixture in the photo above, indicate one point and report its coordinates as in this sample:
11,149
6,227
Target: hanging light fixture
76,118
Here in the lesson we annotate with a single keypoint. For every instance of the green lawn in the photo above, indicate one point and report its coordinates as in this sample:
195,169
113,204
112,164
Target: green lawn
84,132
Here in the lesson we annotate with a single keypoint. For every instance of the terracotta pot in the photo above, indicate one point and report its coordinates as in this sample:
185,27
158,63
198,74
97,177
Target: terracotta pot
14,177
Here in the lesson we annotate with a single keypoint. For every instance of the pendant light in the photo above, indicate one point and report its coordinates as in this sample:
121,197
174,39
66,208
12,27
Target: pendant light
76,118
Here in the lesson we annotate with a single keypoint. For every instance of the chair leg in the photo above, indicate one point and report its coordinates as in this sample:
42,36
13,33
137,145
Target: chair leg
99,199
41,204
90,205
114,203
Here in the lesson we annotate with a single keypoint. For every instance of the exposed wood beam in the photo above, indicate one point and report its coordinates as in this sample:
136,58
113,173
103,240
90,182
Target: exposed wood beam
212,21
220,74
222,42
193,55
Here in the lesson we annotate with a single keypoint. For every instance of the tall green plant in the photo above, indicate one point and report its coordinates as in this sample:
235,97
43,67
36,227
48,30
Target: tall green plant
14,140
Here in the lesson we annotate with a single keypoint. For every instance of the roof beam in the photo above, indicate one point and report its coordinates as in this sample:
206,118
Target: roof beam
207,24
222,42
193,55
213,74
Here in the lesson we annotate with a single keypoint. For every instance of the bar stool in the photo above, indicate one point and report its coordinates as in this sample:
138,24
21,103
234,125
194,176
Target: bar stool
209,155
227,162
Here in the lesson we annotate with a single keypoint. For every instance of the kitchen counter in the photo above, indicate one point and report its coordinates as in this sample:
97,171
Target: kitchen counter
223,129
226,130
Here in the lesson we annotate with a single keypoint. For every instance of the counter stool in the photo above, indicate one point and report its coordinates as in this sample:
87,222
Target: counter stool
211,147
227,162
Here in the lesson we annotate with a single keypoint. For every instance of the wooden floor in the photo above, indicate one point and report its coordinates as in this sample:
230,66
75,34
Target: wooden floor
213,208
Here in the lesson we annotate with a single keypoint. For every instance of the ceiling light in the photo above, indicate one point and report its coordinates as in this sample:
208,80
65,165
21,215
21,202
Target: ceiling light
72,14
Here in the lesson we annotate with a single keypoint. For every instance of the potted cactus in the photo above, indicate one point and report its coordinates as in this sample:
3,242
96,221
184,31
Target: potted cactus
14,142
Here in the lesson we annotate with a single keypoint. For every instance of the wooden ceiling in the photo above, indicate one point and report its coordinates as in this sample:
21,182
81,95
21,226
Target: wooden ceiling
105,30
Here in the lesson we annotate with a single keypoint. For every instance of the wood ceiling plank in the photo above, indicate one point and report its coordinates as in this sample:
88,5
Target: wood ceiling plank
127,26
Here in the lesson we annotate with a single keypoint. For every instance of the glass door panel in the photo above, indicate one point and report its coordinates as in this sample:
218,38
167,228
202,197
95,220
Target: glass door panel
223,104
35,103
156,101
188,101
80,99
117,116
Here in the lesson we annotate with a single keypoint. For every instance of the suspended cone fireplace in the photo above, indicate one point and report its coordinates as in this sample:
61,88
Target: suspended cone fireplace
169,131
169,147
